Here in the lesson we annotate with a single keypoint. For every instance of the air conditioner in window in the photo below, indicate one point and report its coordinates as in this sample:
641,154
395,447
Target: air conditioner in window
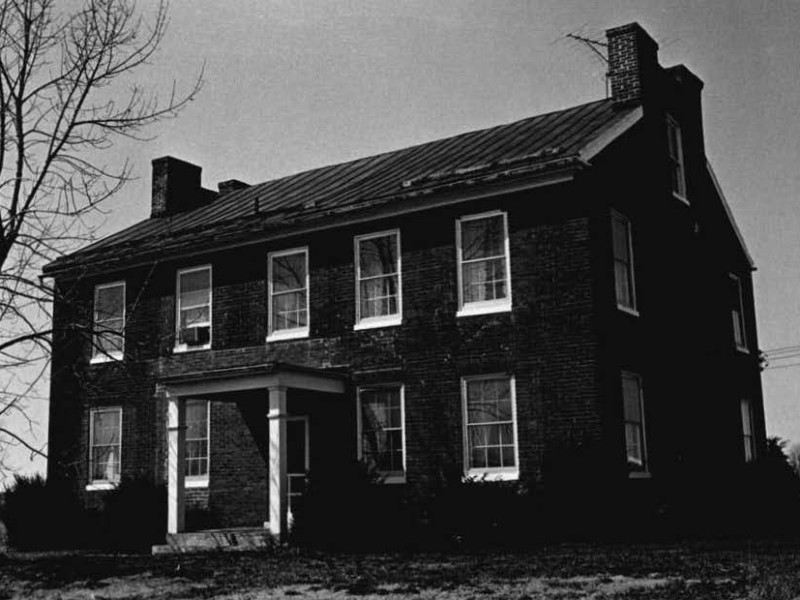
195,336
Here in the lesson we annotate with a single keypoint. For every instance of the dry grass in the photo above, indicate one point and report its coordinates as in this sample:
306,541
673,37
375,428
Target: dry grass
564,572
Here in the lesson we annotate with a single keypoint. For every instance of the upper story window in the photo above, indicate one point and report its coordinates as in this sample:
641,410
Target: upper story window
108,336
490,426
194,309
378,287
736,304
197,438
381,424
484,279
288,294
105,446
675,147
635,443
623,262
747,431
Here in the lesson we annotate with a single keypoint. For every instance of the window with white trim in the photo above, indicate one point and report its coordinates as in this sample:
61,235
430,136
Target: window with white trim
288,294
108,339
381,418
748,436
197,438
378,287
635,441
624,282
736,304
482,249
105,445
677,170
193,308
490,426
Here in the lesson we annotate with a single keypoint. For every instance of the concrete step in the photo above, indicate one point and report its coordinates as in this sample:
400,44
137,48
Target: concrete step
240,538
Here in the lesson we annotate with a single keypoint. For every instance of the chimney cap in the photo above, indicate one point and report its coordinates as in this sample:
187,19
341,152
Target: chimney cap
231,185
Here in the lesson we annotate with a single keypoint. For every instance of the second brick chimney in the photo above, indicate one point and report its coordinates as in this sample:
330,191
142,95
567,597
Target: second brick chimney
176,187
632,63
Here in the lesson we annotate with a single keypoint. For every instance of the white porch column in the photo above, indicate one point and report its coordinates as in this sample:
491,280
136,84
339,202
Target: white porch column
278,481
176,463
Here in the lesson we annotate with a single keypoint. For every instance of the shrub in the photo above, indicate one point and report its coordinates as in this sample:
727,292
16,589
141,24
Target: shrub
40,515
135,514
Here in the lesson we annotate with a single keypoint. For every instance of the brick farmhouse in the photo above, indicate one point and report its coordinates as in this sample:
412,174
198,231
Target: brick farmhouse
473,307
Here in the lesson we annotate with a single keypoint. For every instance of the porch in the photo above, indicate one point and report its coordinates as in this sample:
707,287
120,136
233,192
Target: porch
268,388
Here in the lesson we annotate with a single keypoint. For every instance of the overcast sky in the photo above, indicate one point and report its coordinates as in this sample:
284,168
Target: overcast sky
291,85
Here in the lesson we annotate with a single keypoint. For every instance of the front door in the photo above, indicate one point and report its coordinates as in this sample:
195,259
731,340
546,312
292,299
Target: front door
297,459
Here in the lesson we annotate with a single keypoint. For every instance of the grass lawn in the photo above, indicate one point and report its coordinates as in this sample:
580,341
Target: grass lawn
741,570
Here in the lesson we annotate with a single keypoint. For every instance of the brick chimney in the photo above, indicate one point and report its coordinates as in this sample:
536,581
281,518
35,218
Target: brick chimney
176,187
632,63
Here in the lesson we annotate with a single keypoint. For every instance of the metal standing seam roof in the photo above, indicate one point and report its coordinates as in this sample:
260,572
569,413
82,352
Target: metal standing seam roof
533,141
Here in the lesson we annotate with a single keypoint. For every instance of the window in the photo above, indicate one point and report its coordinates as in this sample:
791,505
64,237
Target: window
381,431
108,341
105,446
194,309
623,262
378,295
484,281
747,431
197,436
675,145
737,312
288,294
634,424
490,437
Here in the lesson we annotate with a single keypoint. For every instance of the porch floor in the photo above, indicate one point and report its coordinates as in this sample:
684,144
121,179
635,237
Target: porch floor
233,538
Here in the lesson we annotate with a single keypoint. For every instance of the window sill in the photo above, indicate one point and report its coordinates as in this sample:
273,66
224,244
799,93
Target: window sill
683,199
184,348
628,310
393,321
97,486
742,349
491,475
393,478
96,360
288,334
484,308
639,475
195,482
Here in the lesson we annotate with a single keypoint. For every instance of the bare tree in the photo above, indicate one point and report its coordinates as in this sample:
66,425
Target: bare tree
794,457
67,93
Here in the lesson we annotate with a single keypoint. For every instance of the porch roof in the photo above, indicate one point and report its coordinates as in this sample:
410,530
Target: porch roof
271,374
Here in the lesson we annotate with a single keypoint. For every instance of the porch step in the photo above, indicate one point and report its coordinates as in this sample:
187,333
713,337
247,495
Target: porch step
239,538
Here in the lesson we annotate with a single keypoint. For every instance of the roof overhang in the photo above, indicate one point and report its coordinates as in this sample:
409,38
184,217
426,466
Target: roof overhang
257,377
729,214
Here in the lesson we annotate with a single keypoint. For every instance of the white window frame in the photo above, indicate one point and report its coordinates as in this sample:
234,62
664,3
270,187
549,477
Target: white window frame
392,477
103,484
99,356
297,332
384,320
748,437
489,473
199,481
185,347
676,159
631,268
741,346
644,472
484,306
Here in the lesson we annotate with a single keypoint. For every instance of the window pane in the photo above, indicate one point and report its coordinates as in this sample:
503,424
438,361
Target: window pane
382,428
632,399
195,316
289,310
484,280
482,238
621,238
110,303
747,425
195,282
633,439
378,256
106,427
289,272
378,297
